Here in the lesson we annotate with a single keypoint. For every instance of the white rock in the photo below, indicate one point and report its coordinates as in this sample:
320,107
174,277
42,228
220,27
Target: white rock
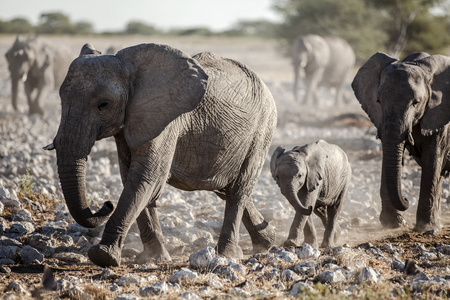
156,289
183,276
307,252
126,297
288,275
301,287
125,281
190,296
331,276
368,275
202,259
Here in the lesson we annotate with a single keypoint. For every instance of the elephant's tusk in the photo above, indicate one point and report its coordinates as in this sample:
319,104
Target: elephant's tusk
49,147
410,139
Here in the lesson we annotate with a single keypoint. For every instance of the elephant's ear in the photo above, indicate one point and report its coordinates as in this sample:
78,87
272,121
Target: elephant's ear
437,113
315,162
273,161
366,83
166,83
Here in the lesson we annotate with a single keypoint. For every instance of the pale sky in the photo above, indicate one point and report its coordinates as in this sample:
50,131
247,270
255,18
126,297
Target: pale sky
163,14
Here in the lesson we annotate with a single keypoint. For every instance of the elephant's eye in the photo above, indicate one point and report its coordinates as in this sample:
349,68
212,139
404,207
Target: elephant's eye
103,105
415,102
378,100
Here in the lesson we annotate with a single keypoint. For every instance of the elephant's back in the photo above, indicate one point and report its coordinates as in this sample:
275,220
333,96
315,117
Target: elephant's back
235,90
235,120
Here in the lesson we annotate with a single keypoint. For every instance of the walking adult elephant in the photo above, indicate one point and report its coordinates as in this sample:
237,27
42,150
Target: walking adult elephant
41,67
198,123
409,104
325,61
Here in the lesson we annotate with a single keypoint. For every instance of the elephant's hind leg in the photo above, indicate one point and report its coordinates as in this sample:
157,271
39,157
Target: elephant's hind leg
151,236
261,233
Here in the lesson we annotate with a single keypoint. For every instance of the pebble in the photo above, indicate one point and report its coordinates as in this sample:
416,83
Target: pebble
307,252
183,276
369,275
202,259
156,289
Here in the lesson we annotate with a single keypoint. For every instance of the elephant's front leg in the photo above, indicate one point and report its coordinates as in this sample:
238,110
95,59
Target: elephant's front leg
144,182
34,102
151,236
428,209
228,244
312,86
296,230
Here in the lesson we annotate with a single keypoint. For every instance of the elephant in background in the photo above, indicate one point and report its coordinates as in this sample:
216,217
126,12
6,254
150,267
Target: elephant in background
409,103
41,68
316,176
197,123
327,61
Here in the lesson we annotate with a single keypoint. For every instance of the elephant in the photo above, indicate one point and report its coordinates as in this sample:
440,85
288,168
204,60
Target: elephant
408,101
41,67
198,123
325,61
317,176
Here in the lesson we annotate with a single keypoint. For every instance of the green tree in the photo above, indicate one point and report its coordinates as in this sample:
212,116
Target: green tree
20,25
136,27
262,28
54,23
351,20
412,26
17,26
83,27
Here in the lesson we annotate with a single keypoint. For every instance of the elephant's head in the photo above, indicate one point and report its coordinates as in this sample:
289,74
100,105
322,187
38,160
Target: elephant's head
293,169
398,96
139,91
20,57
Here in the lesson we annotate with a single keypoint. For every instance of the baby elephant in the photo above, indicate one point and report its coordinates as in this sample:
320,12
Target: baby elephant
312,176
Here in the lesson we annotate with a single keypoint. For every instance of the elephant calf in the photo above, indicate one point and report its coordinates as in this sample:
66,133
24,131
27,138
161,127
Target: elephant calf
312,176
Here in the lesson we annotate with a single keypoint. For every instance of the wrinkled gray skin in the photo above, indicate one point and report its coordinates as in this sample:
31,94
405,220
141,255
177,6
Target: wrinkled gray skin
325,61
409,104
41,68
198,123
312,176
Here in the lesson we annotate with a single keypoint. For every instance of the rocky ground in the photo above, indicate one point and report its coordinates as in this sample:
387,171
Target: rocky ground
42,250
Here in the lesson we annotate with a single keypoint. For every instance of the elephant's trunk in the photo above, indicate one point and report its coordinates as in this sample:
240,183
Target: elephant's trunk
296,79
71,159
72,178
290,192
390,190
14,91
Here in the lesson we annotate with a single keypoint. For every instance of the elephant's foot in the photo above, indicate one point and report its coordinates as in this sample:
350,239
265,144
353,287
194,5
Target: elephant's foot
153,253
104,256
230,250
391,219
265,239
35,109
427,226
291,243
326,244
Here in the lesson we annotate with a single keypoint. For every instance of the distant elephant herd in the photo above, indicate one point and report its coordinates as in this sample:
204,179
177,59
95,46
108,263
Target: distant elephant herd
206,123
